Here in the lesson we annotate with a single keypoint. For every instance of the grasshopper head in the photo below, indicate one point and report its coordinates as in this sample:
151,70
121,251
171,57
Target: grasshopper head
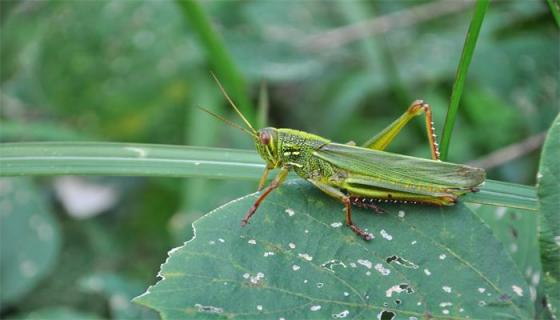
266,142
266,139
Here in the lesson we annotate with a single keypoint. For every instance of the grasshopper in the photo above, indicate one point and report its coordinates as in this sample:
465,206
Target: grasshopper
362,176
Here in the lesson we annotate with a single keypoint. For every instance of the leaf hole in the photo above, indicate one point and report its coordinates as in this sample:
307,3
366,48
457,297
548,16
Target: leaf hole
386,315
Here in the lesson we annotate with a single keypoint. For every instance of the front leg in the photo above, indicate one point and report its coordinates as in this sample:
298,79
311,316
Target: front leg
336,193
278,180
263,178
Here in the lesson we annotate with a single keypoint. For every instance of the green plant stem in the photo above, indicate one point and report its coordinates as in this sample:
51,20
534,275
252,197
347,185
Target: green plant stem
554,6
218,55
462,69
127,159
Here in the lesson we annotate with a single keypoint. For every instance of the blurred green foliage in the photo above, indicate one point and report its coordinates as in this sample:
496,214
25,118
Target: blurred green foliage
136,70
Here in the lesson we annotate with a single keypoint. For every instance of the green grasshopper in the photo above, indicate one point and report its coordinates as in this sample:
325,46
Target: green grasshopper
361,176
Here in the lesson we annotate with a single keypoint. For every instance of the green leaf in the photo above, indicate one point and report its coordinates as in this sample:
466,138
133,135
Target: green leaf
549,202
296,260
517,230
30,238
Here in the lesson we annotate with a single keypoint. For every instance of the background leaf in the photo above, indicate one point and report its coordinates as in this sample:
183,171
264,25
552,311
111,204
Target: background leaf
58,313
549,201
297,260
30,239
119,291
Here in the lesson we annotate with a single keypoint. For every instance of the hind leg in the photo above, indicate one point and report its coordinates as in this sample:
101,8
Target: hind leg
384,138
336,193
372,198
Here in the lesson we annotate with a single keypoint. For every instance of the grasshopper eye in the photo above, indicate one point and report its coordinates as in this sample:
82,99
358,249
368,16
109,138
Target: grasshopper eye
265,138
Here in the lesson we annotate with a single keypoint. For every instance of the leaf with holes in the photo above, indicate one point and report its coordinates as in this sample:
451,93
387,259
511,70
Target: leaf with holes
297,260
549,202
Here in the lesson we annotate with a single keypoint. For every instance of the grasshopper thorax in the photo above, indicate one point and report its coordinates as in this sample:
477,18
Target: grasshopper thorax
266,142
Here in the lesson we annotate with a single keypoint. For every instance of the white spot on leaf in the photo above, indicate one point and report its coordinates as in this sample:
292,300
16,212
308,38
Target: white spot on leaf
442,256
513,247
395,289
315,308
292,245
336,224
252,241
447,289
365,263
290,212
427,272
305,256
209,309
517,290
384,271
500,212
385,235
254,279
329,265
342,314
295,267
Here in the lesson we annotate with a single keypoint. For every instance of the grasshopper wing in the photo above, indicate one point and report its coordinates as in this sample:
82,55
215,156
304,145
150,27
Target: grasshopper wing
399,172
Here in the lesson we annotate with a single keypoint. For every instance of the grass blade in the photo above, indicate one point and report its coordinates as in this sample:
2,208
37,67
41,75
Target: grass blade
218,55
462,69
504,194
554,6
124,159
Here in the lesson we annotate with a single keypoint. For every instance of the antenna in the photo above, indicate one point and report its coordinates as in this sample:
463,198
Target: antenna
233,104
229,123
